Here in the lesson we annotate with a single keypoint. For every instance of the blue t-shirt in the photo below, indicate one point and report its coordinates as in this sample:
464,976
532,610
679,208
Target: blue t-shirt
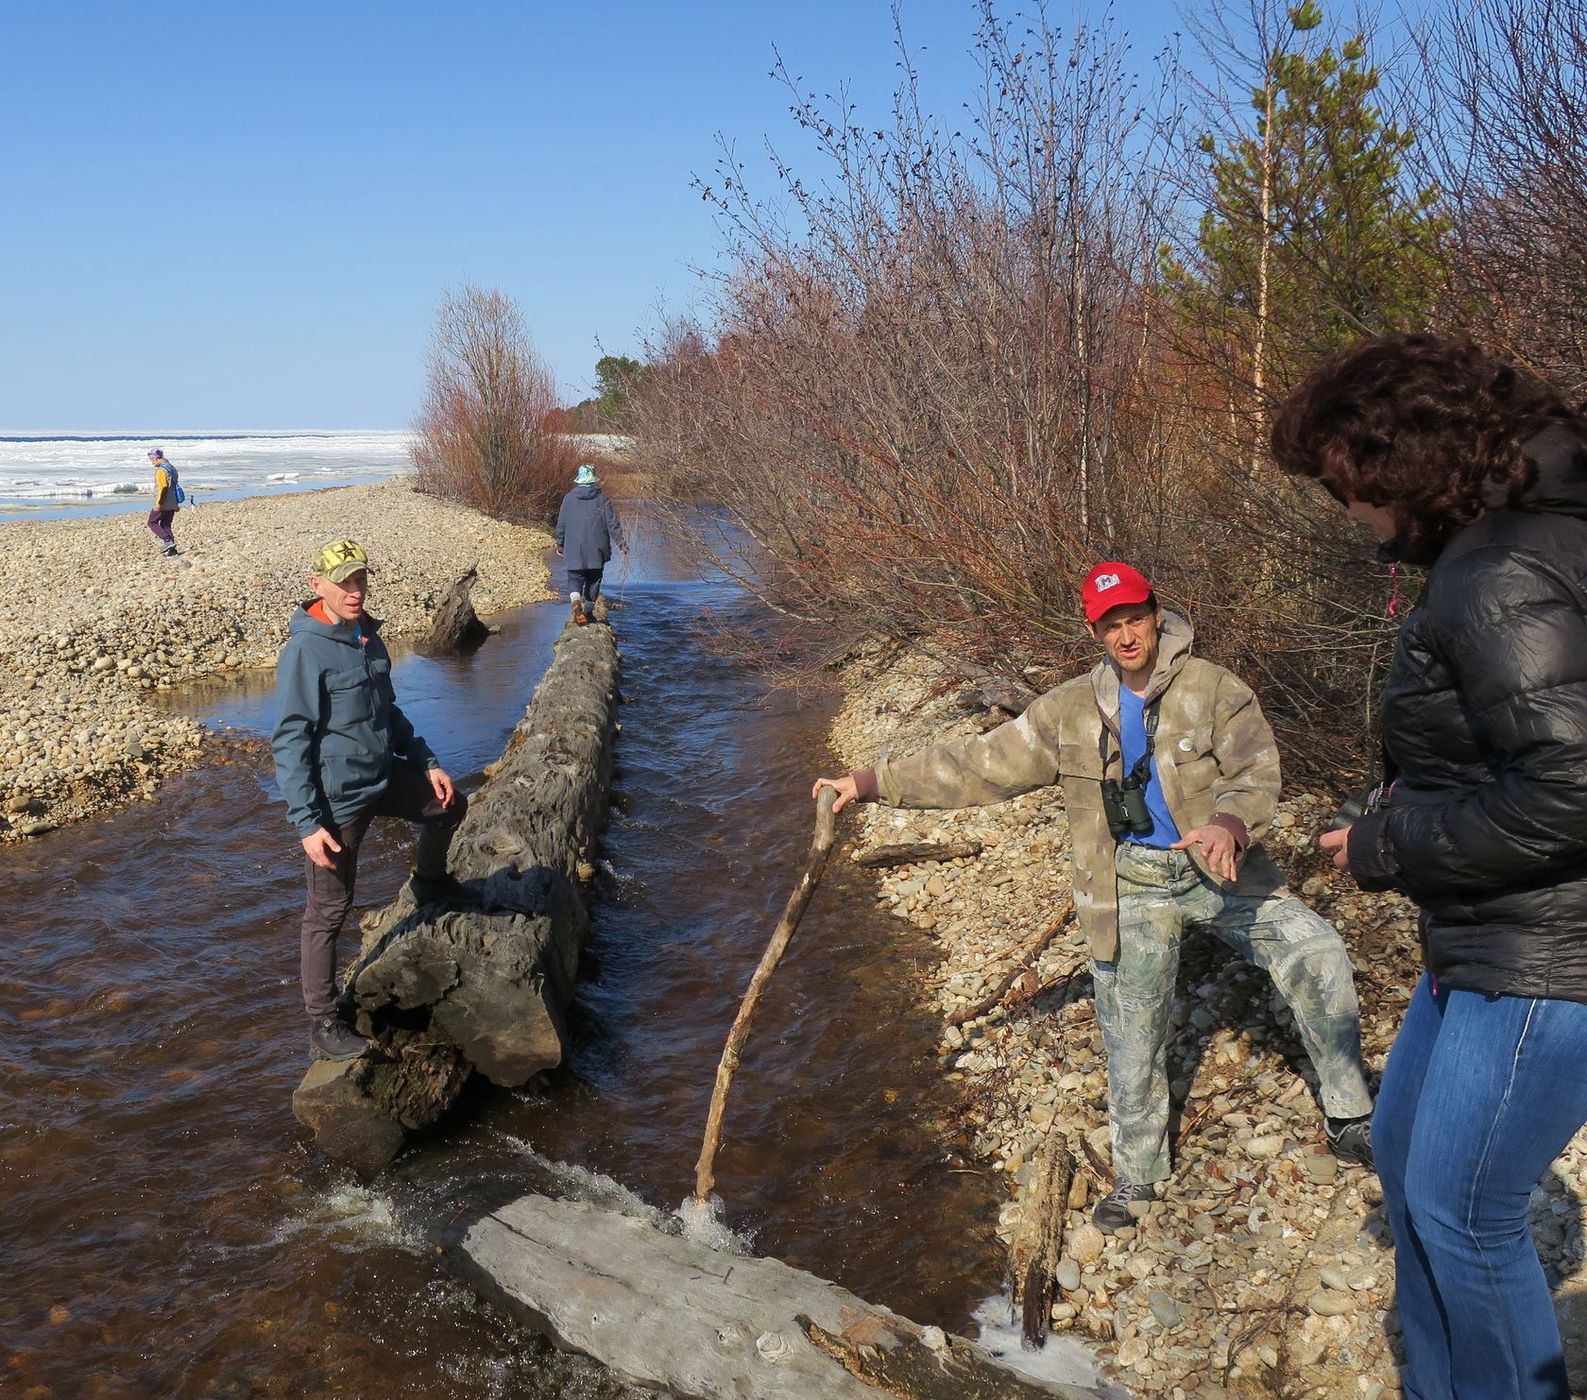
1132,742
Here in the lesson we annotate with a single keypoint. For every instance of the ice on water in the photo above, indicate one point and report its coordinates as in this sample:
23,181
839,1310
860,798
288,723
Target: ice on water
69,473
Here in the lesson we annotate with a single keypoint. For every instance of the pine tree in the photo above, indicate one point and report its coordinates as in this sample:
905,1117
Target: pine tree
1309,238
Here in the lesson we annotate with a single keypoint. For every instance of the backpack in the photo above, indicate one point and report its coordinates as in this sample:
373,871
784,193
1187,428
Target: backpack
176,485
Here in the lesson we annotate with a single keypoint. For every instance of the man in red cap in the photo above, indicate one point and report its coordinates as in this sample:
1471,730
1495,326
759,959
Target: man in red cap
1170,776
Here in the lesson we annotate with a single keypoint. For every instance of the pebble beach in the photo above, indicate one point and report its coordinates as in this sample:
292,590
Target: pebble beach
93,620
1267,1269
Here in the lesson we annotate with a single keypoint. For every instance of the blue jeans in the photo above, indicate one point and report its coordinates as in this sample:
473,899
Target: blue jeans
1481,1093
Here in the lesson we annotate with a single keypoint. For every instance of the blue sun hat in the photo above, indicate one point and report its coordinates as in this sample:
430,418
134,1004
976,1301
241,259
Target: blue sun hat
586,476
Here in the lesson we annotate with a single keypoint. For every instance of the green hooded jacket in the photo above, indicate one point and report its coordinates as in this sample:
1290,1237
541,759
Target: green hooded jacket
338,725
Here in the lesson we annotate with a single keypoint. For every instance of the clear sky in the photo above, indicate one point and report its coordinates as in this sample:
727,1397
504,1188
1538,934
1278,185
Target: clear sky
242,213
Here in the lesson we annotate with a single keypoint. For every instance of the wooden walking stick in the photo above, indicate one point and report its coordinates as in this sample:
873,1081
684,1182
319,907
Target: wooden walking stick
820,847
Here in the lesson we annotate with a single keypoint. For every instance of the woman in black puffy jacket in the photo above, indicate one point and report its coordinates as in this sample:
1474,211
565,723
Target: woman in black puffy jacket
1464,463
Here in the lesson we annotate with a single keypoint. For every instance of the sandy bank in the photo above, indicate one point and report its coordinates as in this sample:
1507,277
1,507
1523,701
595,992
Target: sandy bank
92,617
1267,1270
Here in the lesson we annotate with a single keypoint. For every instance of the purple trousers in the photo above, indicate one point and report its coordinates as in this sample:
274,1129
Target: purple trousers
160,525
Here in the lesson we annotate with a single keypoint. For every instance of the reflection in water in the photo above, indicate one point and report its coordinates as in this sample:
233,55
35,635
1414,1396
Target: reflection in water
166,1229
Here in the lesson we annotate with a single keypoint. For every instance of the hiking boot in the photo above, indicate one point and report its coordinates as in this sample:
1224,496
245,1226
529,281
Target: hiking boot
1114,1211
331,1038
1350,1139
576,600
169,551
438,889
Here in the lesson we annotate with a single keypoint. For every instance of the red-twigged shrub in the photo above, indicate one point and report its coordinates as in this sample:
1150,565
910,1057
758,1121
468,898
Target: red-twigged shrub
484,434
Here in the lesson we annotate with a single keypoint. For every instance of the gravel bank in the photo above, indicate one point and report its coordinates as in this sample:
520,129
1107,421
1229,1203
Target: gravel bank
1267,1270
92,618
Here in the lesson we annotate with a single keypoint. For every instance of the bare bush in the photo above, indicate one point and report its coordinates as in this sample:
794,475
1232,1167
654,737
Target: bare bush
486,429
922,406
1506,89
932,393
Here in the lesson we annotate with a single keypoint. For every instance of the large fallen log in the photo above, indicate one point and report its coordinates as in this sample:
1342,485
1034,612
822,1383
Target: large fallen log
482,983
667,1312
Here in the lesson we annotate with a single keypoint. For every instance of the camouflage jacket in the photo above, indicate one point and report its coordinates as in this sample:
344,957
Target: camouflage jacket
1215,755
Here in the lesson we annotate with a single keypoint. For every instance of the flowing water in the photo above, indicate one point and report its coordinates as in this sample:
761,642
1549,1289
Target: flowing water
167,1230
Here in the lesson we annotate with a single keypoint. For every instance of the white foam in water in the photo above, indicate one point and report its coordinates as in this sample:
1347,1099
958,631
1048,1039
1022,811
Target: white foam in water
702,1224
594,1188
347,1209
1062,1360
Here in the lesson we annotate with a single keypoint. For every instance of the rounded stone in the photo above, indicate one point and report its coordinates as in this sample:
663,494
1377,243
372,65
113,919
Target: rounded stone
1165,1310
1086,1243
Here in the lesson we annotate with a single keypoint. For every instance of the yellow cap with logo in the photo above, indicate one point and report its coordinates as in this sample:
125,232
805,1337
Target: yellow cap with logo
340,558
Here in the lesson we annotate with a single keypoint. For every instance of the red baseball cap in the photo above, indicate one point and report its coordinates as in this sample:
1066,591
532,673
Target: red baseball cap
1111,584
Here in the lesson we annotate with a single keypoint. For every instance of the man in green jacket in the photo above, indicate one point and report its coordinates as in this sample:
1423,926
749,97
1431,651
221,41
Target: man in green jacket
1170,777
345,754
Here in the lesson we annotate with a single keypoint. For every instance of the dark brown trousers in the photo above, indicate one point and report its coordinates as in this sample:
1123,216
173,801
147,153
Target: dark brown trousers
408,795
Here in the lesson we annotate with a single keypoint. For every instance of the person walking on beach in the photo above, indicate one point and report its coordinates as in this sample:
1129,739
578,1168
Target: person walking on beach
1469,466
1170,776
587,530
345,754
167,501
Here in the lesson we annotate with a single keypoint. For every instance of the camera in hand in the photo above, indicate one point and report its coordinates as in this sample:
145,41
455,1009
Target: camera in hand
1124,804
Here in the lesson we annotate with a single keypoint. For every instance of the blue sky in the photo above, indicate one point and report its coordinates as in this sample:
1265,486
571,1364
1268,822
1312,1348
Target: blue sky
243,215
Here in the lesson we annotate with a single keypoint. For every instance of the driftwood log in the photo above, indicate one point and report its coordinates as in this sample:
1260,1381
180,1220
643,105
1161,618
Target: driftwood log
1024,963
1037,1245
879,857
991,692
482,983
665,1312
455,626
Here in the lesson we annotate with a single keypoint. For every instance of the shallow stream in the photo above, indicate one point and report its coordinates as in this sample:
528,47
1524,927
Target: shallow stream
168,1231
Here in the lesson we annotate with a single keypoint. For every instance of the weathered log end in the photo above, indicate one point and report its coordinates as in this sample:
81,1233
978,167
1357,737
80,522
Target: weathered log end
915,1363
666,1312
455,626
482,982
346,1122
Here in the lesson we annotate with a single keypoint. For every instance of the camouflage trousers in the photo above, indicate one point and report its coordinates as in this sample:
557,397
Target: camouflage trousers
1161,894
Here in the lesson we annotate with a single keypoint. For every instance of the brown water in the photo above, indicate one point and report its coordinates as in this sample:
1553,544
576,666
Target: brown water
166,1228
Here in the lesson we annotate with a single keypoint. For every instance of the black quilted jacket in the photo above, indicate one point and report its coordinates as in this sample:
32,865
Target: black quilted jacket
1485,715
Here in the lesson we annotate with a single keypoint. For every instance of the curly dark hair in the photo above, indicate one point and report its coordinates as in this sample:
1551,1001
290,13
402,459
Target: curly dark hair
1430,427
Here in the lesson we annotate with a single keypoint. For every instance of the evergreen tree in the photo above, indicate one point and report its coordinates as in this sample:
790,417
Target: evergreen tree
615,376
1309,238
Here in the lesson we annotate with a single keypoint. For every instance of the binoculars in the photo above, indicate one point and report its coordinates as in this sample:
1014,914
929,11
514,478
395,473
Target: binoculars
1124,805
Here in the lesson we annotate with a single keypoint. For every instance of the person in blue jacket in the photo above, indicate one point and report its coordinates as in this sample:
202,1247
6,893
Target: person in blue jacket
344,754
587,529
